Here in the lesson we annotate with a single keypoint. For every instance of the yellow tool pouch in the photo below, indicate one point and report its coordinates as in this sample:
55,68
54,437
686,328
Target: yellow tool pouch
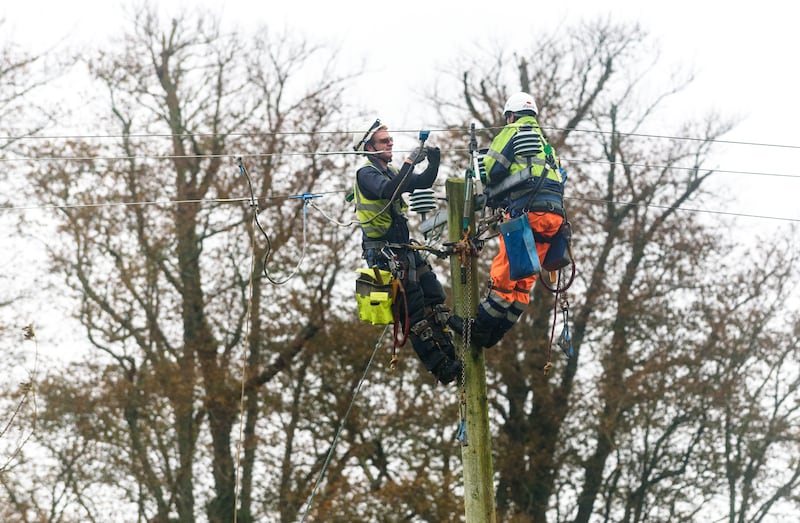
374,296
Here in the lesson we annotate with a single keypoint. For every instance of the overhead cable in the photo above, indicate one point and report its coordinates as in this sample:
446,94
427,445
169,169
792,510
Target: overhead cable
22,137
345,152
332,220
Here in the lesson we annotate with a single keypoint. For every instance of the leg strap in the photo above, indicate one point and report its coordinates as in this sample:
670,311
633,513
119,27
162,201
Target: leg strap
422,329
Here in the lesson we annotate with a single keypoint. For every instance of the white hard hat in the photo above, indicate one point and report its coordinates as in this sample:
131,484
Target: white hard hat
520,102
360,139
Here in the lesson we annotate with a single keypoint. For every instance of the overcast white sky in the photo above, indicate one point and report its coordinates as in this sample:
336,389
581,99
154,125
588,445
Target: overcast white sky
743,53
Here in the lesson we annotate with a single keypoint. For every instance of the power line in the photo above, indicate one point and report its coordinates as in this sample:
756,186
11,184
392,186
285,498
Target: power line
684,209
295,197
678,168
120,204
348,152
676,138
22,137
170,156
192,156
345,152
314,153
153,202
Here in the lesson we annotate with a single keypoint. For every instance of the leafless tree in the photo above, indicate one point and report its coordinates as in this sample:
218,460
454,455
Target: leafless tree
169,271
681,358
631,407
22,74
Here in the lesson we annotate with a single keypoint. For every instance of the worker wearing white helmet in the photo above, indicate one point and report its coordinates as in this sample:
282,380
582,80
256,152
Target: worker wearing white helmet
520,103
380,207
523,177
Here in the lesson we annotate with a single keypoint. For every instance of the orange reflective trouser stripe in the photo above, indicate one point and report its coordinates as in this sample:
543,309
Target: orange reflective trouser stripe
544,223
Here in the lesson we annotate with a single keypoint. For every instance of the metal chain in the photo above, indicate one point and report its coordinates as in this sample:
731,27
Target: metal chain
466,340
467,321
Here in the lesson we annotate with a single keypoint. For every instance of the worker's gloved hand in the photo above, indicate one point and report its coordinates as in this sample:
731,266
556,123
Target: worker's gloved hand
480,201
418,156
433,154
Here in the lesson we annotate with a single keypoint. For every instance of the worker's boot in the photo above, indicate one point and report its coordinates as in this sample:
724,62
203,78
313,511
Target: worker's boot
495,318
503,325
448,370
496,334
437,317
479,333
435,358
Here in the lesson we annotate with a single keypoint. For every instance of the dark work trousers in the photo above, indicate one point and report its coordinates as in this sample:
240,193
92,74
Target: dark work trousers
423,292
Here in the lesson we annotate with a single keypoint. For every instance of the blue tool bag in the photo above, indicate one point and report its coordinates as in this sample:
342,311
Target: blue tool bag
523,261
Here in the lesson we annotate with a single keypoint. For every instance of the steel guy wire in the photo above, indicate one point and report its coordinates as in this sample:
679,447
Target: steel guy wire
342,422
240,440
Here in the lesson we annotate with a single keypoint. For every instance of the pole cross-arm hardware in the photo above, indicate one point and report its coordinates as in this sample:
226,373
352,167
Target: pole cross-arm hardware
469,176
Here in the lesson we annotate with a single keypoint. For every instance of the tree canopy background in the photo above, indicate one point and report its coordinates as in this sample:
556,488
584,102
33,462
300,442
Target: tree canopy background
206,385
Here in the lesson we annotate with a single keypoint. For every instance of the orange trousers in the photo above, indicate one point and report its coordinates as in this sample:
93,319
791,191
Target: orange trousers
544,223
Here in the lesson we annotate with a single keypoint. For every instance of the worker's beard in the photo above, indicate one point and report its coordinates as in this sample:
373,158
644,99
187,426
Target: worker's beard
386,156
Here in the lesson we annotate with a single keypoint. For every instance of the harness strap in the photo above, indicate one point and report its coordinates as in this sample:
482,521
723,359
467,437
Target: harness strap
515,179
379,245
508,291
407,261
545,206
400,313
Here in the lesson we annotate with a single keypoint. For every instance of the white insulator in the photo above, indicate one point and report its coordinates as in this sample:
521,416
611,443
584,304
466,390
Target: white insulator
481,165
422,201
527,143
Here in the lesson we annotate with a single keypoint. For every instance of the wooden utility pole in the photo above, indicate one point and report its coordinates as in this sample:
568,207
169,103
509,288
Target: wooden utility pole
476,451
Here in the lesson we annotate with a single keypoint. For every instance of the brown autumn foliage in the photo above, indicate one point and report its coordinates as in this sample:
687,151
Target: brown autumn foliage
211,386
